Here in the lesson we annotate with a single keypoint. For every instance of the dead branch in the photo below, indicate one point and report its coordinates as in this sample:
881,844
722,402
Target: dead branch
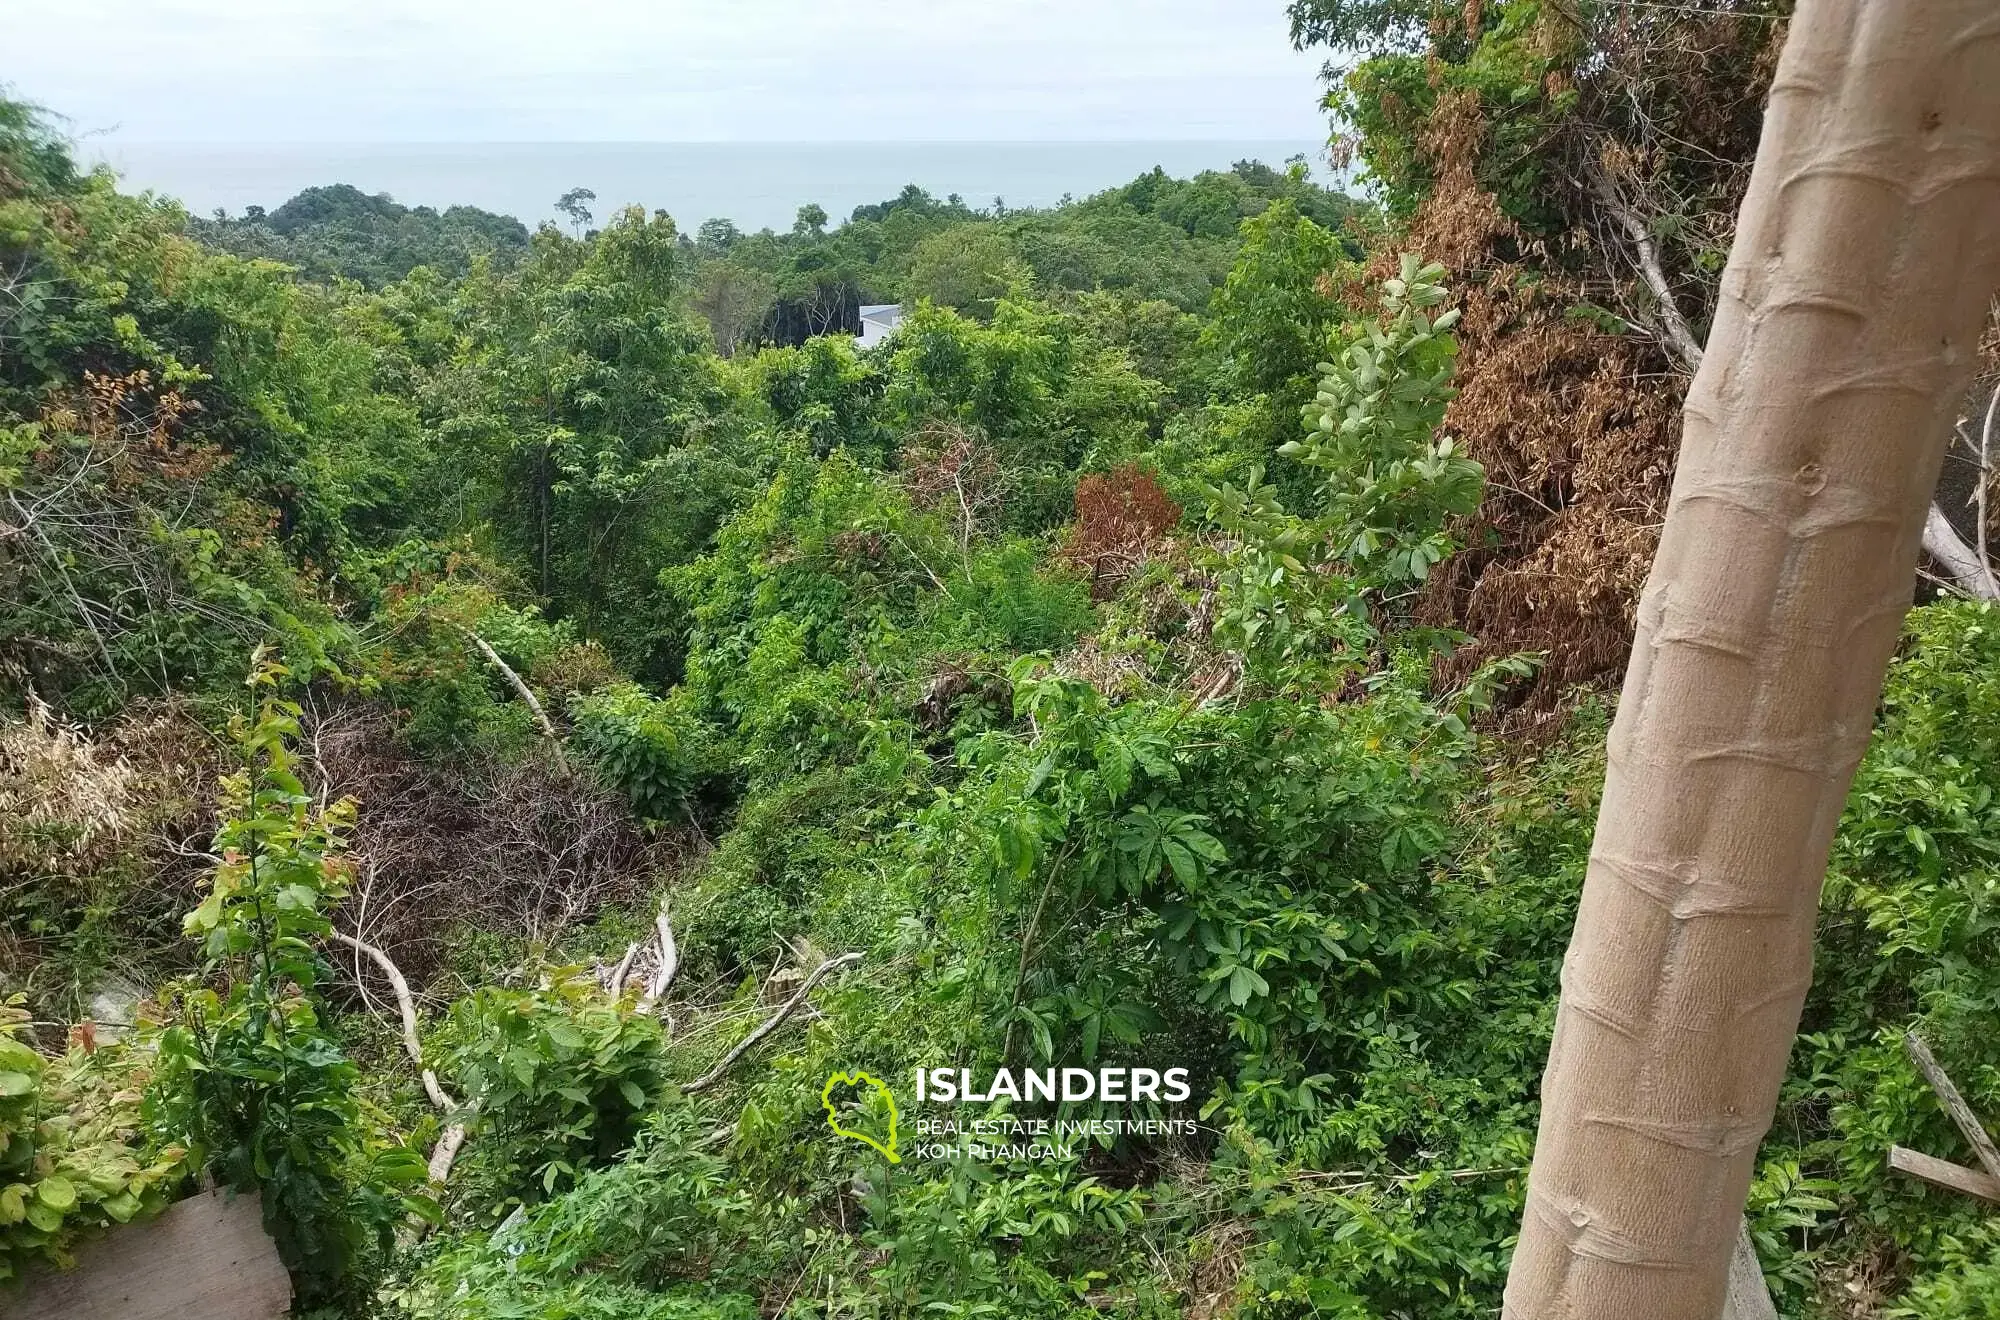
406,1006
1674,333
514,681
1962,565
1943,1173
771,1024
624,969
445,1153
1954,1104
670,960
1979,494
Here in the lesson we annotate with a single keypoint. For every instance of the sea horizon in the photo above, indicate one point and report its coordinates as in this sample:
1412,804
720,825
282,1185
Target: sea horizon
756,185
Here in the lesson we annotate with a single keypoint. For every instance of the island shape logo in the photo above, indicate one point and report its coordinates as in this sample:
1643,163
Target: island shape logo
833,1115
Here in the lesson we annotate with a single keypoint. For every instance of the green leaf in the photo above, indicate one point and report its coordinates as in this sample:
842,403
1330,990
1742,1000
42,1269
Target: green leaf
1040,775
1244,983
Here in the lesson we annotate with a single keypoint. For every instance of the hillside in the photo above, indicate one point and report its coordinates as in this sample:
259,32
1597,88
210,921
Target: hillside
1185,646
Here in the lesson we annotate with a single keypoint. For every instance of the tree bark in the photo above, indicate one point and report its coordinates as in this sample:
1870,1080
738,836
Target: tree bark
1846,335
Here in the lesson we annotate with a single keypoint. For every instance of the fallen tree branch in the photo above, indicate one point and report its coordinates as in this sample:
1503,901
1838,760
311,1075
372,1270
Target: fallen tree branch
771,1024
1954,1104
1961,563
406,1006
624,969
514,681
445,1153
670,960
1943,1173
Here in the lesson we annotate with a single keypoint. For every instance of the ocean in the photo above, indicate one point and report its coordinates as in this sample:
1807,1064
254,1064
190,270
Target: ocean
755,184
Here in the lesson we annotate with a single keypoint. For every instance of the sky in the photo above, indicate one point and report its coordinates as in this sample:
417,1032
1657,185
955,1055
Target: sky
240,71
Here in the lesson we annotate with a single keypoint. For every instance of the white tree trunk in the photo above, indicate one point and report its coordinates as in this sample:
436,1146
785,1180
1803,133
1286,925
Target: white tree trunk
1844,341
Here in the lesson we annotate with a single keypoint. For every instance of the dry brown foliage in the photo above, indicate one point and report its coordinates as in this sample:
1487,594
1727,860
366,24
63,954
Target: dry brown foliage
63,800
525,849
1220,1275
1575,418
945,466
116,819
1577,429
1122,517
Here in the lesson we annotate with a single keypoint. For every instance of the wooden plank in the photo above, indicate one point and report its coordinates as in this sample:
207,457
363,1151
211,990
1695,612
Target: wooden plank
1943,1173
1954,1104
1749,1296
207,1256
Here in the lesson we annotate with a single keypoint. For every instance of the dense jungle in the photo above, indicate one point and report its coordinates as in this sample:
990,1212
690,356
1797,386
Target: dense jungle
492,719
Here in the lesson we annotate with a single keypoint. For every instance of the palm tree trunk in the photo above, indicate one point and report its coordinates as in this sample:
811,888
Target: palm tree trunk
1867,248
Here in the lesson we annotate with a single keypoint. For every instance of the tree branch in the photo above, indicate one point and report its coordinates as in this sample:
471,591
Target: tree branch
1979,498
1673,331
776,1020
406,1006
670,961
1954,1104
1962,564
445,1153
514,680
624,970
1943,1173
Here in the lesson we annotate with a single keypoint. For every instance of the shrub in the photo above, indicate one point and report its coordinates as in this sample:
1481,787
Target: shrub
73,1152
250,1078
657,753
559,1078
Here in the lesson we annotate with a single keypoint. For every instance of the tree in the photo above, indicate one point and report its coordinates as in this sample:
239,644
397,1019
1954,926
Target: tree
967,267
717,236
735,301
812,220
583,376
1274,312
1350,24
576,205
1846,333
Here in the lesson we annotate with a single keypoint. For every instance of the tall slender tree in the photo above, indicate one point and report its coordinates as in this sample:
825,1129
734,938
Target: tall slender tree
1866,252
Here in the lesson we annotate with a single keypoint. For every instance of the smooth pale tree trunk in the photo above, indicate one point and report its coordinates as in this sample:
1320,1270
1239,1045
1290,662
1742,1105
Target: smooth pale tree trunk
1867,248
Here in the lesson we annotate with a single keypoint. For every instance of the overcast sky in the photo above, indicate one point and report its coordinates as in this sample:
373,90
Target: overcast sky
662,70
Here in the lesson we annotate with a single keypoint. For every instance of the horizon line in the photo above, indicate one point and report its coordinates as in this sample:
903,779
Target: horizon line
238,143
